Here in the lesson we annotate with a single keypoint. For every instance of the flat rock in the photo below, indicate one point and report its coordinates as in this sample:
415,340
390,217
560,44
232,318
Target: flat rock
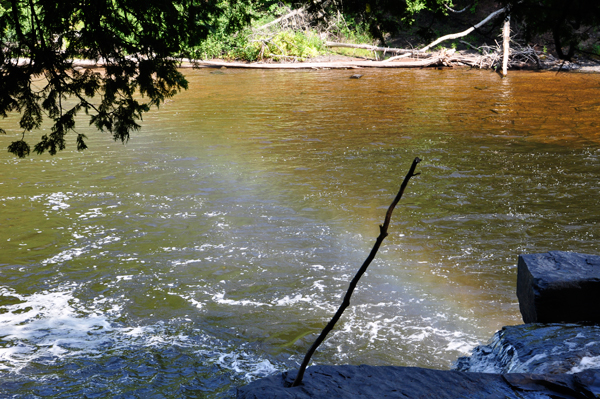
559,286
537,348
351,382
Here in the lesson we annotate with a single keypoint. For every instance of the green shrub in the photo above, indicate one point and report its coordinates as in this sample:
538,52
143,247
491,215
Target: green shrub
278,45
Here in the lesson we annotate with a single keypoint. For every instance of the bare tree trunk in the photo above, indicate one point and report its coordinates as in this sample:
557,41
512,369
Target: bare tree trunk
506,45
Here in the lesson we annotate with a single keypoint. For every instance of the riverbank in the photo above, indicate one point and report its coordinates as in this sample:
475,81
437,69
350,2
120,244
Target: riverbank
439,59
444,58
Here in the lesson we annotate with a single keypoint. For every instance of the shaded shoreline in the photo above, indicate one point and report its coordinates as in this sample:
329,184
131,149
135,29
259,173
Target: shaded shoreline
439,59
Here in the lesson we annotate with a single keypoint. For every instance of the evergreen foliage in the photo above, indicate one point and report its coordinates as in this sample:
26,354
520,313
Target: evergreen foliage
139,43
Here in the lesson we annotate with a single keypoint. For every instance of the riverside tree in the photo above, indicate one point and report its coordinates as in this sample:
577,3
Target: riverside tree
138,43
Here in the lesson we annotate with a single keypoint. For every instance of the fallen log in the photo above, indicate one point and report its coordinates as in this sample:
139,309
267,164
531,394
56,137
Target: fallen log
315,65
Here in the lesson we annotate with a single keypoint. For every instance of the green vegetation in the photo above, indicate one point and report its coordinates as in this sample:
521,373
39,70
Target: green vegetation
140,43
299,39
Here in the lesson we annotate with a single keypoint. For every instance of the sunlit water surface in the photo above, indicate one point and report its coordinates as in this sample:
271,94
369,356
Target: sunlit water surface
213,247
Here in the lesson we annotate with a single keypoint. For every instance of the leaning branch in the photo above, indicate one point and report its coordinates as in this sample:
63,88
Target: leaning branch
346,302
283,18
457,11
466,32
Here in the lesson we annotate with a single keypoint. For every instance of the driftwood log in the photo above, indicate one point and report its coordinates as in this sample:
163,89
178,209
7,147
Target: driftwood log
317,65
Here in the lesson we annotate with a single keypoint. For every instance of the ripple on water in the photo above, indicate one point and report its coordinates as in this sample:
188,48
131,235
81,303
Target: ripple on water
53,332
214,247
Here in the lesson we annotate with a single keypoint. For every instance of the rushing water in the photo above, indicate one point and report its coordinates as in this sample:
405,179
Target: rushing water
214,246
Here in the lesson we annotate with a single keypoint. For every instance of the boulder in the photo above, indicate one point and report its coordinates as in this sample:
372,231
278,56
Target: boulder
559,287
538,349
350,382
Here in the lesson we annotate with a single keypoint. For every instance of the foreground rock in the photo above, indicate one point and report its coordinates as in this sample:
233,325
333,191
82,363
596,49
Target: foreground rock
537,348
531,361
350,382
558,286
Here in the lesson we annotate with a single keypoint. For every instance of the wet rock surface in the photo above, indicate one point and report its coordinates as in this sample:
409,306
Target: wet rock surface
559,286
530,361
350,382
537,348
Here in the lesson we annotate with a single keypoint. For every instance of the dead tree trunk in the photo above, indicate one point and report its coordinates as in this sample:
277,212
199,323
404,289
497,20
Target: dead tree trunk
505,45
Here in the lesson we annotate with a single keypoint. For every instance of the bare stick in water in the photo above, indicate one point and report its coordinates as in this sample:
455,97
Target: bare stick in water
346,302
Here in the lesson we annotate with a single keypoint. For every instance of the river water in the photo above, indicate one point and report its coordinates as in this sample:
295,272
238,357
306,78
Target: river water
213,247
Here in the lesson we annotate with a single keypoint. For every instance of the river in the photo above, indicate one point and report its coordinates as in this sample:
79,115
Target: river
212,248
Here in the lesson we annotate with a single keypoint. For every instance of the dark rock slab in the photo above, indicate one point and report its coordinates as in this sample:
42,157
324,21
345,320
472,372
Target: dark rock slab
582,385
349,382
559,287
537,348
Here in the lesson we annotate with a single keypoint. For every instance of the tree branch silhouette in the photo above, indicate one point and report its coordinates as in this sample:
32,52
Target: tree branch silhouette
346,302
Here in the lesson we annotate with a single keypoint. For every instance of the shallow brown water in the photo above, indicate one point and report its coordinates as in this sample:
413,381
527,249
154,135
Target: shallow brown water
221,238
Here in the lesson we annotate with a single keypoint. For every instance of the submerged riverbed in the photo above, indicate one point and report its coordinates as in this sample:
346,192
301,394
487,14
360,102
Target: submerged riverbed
214,246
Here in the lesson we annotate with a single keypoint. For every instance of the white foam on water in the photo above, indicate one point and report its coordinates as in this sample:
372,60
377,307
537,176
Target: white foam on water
57,201
213,214
92,213
53,326
220,298
373,329
388,328
586,362
288,300
185,262
185,215
246,365
460,344
79,250
318,285
65,255
47,324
